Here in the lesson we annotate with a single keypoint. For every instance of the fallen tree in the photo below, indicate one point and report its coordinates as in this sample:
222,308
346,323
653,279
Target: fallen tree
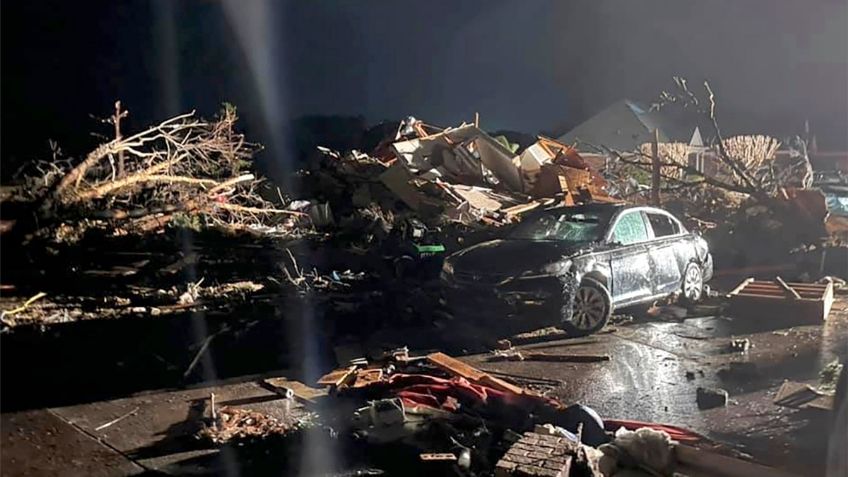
184,165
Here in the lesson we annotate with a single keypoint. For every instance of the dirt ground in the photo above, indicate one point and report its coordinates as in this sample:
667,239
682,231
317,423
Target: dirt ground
654,370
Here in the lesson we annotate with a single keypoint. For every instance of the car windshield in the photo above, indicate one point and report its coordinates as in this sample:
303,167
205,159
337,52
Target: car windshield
566,227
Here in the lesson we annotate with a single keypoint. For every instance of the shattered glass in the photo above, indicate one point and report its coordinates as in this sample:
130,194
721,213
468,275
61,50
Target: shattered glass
577,228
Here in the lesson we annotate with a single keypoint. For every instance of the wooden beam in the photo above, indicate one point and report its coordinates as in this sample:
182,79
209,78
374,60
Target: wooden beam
794,294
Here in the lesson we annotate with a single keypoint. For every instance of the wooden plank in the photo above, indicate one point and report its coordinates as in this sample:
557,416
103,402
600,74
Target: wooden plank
443,457
779,293
301,391
771,297
565,358
815,293
827,301
455,366
458,368
740,286
768,286
338,376
794,284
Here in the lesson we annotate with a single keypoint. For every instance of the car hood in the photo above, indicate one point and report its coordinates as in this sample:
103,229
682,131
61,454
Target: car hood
511,256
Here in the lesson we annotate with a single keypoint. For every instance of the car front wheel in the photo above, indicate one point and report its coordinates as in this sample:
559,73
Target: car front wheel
590,310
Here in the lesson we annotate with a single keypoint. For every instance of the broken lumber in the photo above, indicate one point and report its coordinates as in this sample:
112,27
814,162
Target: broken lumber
301,392
472,374
566,358
338,377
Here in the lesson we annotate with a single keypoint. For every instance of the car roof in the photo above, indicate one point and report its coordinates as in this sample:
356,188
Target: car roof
604,208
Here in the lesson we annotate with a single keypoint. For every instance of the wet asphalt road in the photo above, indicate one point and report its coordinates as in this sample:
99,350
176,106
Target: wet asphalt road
654,370
656,367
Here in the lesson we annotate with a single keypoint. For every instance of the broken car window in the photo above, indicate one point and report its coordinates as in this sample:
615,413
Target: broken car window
581,227
663,225
630,229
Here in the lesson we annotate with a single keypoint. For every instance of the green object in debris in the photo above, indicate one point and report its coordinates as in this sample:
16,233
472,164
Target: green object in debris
430,248
829,375
509,145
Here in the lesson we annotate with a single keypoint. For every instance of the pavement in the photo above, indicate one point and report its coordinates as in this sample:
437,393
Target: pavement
654,371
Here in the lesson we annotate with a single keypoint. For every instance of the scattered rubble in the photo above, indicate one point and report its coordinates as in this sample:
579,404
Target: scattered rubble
458,418
829,375
229,424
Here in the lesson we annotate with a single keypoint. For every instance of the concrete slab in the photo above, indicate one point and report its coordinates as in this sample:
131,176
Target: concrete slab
160,434
38,443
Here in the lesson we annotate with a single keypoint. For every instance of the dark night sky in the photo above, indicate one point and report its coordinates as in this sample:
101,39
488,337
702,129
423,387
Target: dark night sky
530,65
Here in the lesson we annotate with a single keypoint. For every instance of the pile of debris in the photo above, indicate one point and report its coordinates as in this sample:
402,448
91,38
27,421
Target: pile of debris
459,174
459,420
234,424
190,172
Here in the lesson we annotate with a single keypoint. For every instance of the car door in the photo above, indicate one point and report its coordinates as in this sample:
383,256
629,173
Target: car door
663,252
629,260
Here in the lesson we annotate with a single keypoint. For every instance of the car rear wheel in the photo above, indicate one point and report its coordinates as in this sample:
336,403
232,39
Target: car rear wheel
693,283
590,310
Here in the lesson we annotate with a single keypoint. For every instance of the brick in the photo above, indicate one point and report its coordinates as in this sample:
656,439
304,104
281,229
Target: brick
560,452
521,445
557,464
544,444
520,459
537,455
515,451
534,471
505,468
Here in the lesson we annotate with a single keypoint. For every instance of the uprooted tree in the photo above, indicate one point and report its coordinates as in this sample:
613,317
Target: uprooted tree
184,166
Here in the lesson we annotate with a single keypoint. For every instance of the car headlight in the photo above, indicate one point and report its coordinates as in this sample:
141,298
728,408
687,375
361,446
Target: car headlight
551,270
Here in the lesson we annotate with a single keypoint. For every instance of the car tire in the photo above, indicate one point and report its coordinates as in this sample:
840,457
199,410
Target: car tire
692,288
591,309
403,265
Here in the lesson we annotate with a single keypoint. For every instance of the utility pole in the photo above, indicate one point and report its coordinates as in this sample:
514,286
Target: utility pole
655,169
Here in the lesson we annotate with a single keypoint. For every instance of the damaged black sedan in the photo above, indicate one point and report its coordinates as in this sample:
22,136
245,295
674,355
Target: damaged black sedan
575,265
